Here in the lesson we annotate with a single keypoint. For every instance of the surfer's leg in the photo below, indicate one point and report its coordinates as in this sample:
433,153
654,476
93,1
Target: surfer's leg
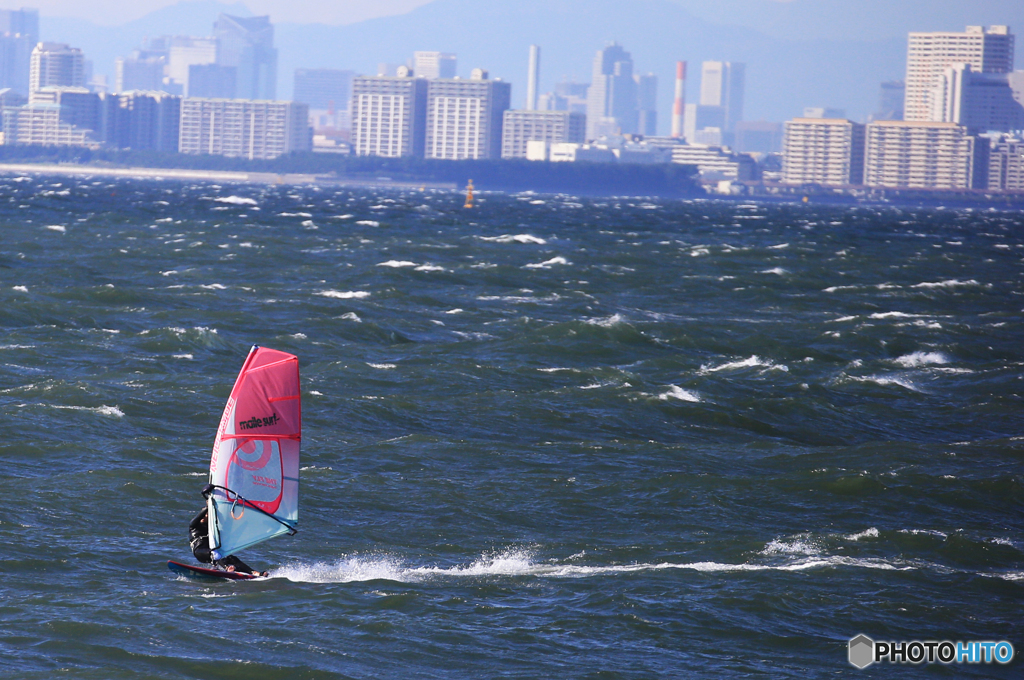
232,563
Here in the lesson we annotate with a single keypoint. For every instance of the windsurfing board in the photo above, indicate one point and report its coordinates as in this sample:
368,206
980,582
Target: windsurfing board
204,572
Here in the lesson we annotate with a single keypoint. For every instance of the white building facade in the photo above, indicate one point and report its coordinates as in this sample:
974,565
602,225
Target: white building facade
242,128
465,117
521,127
824,151
56,65
928,54
924,155
389,115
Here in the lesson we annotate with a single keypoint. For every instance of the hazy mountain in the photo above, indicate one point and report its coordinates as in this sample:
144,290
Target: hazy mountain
856,19
799,53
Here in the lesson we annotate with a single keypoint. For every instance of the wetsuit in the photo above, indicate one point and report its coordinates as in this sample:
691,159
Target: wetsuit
198,534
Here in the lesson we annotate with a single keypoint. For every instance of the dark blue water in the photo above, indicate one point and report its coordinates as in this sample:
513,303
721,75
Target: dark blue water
548,437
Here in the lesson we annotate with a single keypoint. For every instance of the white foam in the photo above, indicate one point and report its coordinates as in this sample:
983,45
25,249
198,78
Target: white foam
750,362
781,246
607,322
867,533
430,268
396,263
351,316
102,410
384,367
547,264
183,356
20,289
57,228
778,271
520,563
368,223
922,359
887,380
345,294
676,392
514,238
894,315
951,283
235,200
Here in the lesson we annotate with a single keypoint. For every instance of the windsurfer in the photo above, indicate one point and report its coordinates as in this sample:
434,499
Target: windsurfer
198,533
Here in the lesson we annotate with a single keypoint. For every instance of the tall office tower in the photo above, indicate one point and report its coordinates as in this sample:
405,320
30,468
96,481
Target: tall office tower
212,81
19,33
551,127
56,65
721,84
980,101
247,43
243,128
184,52
323,88
146,121
890,100
142,71
679,102
389,115
924,155
464,117
432,65
823,151
647,104
533,78
611,100
986,50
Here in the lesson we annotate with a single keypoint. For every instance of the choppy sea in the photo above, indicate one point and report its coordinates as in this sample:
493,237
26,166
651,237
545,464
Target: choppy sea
551,436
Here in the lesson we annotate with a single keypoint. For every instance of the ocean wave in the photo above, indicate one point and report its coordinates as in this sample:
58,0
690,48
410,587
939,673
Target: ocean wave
345,294
111,411
916,359
396,263
952,283
367,223
547,264
750,362
235,200
521,563
514,238
676,392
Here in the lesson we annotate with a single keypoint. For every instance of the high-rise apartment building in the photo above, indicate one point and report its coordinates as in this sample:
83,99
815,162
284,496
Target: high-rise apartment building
553,127
722,84
145,121
980,101
464,117
890,100
389,115
19,33
243,128
323,88
928,54
924,155
823,151
1006,165
611,100
142,71
247,44
432,65
56,65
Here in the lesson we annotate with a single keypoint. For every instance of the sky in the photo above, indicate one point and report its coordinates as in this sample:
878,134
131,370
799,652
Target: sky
116,12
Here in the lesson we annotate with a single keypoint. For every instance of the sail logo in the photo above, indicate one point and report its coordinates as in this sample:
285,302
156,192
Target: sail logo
255,422
260,480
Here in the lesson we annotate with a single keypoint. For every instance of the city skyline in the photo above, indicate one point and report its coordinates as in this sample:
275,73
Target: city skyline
857,68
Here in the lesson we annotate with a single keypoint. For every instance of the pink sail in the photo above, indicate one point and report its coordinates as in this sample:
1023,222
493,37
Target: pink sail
255,464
